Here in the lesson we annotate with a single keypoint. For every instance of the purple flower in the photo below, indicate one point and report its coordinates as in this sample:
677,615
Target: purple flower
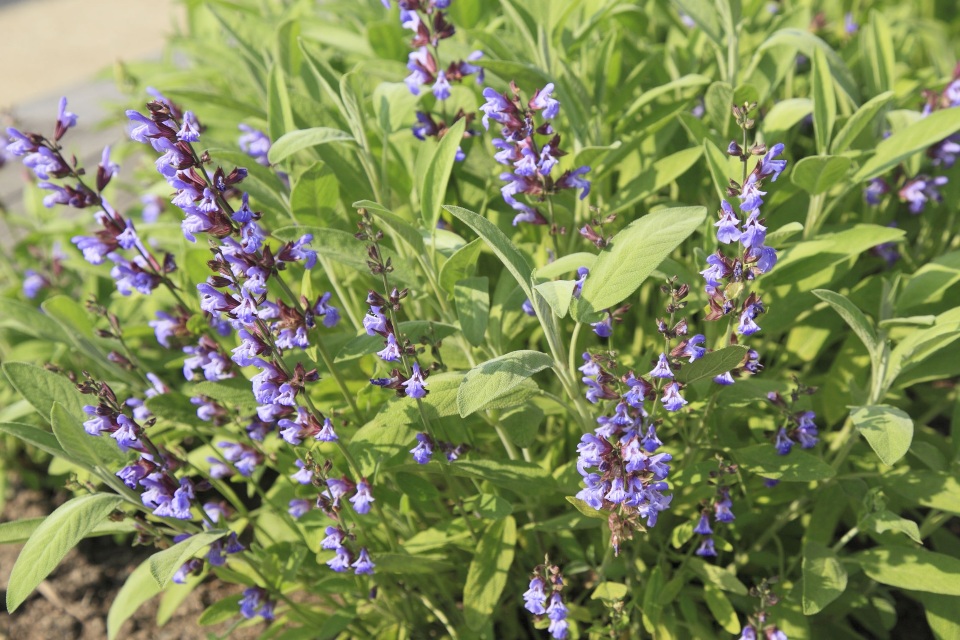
374,322
543,99
334,539
574,180
191,567
423,452
754,233
391,350
341,561
747,326
33,282
662,370
298,507
770,168
256,602
850,25
691,348
783,443
727,230
604,328
706,548
557,613
527,308
415,386
190,129
722,509
496,107
535,598
65,119
441,88
703,526
921,189
326,433
582,274
363,565
672,400
362,498
751,197
304,475
126,434
255,143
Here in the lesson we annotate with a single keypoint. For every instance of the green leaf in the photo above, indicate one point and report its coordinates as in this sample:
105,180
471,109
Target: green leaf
797,466
852,316
610,592
406,564
909,141
19,531
877,54
315,195
433,189
331,243
495,378
509,255
941,613
558,294
279,113
487,575
718,101
232,392
633,254
564,265
656,177
53,539
712,364
522,424
717,576
915,569
824,578
80,446
409,233
706,16
888,430
462,264
817,174
824,101
489,506
219,611
784,233
721,609
294,141
933,489
586,509
807,43
523,478
472,299
930,283
164,564
138,588
31,321
884,521
859,121
42,388
34,436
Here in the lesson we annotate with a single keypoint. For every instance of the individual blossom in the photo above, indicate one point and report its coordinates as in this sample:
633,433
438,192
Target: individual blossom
423,452
363,565
363,498
920,190
256,602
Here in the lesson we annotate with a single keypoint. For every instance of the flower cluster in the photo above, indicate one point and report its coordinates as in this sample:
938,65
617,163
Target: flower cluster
423,452
545,597
532,162
720,507
256,602
337,541
798,426
214,512
757,627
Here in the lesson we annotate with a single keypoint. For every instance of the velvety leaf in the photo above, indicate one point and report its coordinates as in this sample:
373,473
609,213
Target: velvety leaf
53,539
164,564
824,102
433,189
817,174
723,612
859,121
557,294
824,578
718,576
294,141
712,364
472,299
660,174
80,446
462,264
487,574
34,436
916,569
138,588
797,466
933,489
609,592
586,509
42,388
908,141
887,521
888,430
633,254
505,250
494,378
852,315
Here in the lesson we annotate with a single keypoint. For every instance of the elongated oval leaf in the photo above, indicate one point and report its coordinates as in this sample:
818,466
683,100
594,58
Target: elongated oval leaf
487,575
797,466
290,143
888,430
824,101
916,569
34,436
712,364
852,316
860,121
42,388
656,177
721,609
509,255
824,578
909,141
435,180
817,174
472,299
53,539
460,265
633,254
79,445
139,587
165,563
495,378
558,294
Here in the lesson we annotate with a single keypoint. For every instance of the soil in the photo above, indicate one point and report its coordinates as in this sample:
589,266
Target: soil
72,603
